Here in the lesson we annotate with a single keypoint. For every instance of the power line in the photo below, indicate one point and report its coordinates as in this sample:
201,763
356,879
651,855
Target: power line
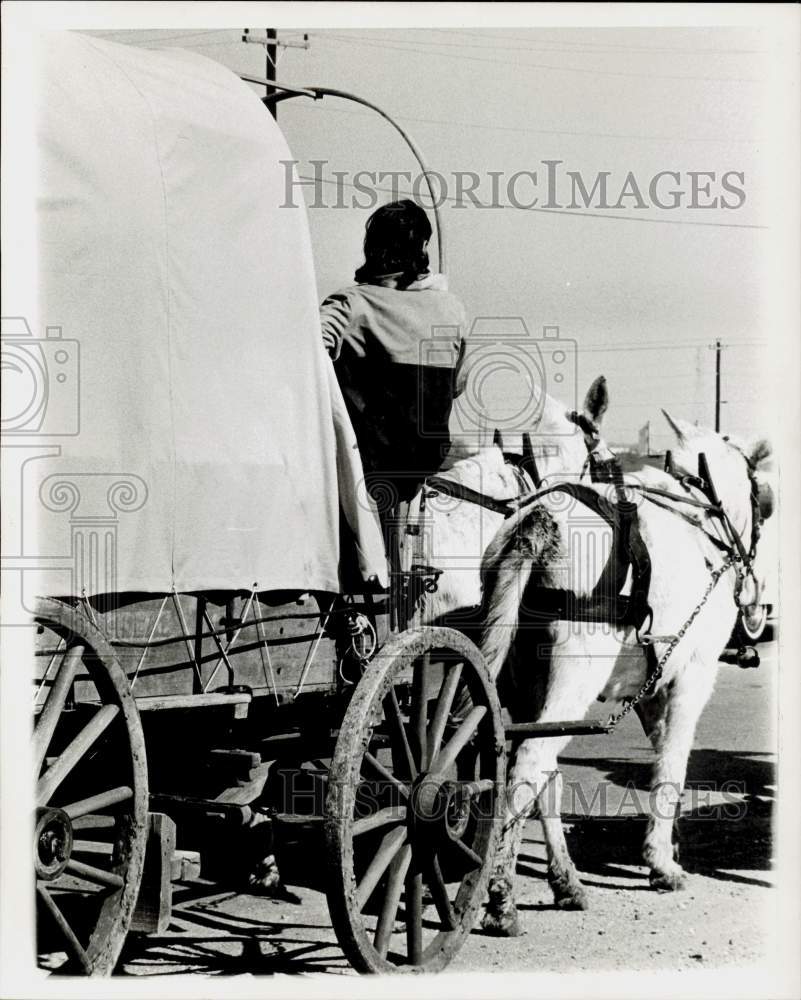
536,131
669,347
605,45
651,375
686,343
684,375
546,211
161,38
563,44
596,48
327,37
681,402
194,45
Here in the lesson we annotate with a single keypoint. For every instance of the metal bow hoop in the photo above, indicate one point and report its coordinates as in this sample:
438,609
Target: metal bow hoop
317,93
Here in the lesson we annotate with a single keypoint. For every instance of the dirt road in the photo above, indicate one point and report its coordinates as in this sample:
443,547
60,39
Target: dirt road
716,922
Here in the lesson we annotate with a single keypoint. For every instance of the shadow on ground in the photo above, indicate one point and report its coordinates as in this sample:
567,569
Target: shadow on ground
717,839
722,840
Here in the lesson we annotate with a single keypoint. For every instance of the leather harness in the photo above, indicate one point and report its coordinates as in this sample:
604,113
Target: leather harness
607,604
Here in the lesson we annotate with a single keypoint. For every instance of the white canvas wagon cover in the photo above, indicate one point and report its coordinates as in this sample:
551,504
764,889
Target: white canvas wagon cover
203,442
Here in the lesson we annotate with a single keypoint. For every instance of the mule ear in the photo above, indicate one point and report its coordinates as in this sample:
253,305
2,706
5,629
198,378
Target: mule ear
683,429
760,452
596,401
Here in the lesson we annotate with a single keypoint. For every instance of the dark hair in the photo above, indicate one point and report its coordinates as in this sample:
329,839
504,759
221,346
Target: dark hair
394,240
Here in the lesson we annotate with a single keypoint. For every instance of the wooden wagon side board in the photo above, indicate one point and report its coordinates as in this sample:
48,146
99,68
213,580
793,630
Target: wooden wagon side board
173,646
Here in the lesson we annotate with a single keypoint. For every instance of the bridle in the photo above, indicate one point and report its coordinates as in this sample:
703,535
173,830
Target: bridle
741,558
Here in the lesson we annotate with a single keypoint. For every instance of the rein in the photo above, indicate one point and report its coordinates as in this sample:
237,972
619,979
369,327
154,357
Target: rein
525,471
436,485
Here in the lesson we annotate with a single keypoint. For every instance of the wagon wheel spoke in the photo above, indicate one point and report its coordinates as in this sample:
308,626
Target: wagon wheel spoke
446,694
419,711
395,881
73,944
439,894
473,789
93,821
447,756
427,844
384,817
92,846
55,774
98,876
96,803
91,776
414,914
468,855
54,704
389,847
402,757
386,774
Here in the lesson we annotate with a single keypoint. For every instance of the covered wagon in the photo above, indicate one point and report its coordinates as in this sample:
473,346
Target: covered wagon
210,582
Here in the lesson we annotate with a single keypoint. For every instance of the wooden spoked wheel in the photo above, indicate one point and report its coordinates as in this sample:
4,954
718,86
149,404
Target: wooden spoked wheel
90,794
414,804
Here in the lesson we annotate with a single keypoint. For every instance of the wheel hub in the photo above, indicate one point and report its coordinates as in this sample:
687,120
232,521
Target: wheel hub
52,842
440,810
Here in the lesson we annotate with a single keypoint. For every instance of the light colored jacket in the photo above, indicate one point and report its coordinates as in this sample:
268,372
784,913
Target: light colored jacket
398,355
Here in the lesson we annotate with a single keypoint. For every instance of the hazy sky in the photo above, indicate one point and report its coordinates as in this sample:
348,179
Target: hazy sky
643,299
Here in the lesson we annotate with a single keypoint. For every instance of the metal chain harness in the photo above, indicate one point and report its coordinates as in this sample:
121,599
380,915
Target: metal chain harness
654,676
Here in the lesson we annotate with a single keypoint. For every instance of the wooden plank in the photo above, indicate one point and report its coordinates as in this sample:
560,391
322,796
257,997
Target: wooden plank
247,791
186,805
160,703
168,667
154,905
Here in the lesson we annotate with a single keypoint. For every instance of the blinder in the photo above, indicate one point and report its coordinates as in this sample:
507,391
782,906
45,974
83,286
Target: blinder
765,500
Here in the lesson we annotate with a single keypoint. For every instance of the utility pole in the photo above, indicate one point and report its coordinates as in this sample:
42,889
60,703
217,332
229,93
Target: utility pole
271,45
270,72
718,349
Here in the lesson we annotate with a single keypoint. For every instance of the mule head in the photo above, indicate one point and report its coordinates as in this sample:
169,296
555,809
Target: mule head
593,409
575,433
740,473
560,442
692,439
